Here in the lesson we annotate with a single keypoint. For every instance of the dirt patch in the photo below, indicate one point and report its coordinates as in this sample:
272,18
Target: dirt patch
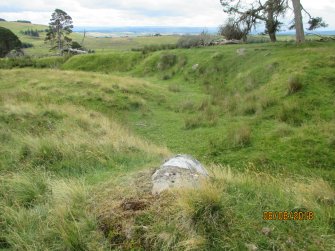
124,211
134,204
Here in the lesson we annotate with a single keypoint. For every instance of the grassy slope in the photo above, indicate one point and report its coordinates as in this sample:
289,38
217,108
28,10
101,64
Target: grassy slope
40,48
230,110
228,93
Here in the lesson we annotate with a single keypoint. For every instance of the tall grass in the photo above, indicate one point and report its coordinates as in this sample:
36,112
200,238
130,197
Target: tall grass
72,141
225,212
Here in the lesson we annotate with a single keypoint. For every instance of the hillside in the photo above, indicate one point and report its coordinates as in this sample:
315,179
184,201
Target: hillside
80,140
250,92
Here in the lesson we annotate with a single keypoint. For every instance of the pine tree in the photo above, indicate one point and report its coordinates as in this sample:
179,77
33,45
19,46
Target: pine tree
59,27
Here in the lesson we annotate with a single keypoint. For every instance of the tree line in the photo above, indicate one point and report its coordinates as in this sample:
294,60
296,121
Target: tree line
244,16
31,32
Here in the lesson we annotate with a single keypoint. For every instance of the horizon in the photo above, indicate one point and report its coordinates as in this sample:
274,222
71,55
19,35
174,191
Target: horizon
141,13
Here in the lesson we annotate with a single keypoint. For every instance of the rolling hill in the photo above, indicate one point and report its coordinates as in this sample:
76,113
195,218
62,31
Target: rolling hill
81,137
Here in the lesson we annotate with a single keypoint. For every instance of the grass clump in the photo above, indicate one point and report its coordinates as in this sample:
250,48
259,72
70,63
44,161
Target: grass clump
26,190
174,88
224,212
292,113
64,223
207,118
166,61
294,84
239,136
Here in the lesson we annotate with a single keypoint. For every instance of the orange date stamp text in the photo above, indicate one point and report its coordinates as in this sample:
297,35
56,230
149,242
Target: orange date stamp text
287,215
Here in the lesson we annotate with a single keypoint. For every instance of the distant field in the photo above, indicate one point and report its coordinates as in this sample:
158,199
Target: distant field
101,44
98,44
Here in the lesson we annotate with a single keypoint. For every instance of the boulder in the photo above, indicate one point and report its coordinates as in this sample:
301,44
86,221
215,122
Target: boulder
177,172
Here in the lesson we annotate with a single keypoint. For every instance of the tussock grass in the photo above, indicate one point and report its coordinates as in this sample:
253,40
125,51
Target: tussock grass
240,136
225,212
292,113
206,118
294,84
62,221
70,140
174,88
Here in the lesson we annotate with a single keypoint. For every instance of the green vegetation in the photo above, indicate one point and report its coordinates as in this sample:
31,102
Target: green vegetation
98,44
79,144
30,32
8,41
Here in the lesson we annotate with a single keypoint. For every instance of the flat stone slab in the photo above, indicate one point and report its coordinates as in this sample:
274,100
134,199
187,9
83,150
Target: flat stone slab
178,172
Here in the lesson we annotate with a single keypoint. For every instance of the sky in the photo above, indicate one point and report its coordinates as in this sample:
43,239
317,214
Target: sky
116,13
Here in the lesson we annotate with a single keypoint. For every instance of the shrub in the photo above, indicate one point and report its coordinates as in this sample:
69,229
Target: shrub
230,30
294,84
166,77
8,41
30,32
20,62
189,41
167,61
27,45
23,21
76,45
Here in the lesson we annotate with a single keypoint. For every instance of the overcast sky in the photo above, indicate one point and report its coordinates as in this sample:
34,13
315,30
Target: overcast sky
201,13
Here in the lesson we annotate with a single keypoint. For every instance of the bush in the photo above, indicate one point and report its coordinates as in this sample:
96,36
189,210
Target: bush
14,62
189,41
230,30
8,41
30,32
76,45
23,21
27,45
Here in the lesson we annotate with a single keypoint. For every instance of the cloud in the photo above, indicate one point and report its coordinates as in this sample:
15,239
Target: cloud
137,12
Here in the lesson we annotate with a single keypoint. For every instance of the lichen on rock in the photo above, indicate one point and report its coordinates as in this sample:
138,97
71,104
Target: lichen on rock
179,171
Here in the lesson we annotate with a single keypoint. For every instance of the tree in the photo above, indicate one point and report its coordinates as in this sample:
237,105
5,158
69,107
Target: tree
299,28
314,22
230,30
59,27
246,15
8,41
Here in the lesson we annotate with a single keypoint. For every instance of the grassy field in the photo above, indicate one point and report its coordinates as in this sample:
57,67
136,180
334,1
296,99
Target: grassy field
79,143
99,44
107,45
